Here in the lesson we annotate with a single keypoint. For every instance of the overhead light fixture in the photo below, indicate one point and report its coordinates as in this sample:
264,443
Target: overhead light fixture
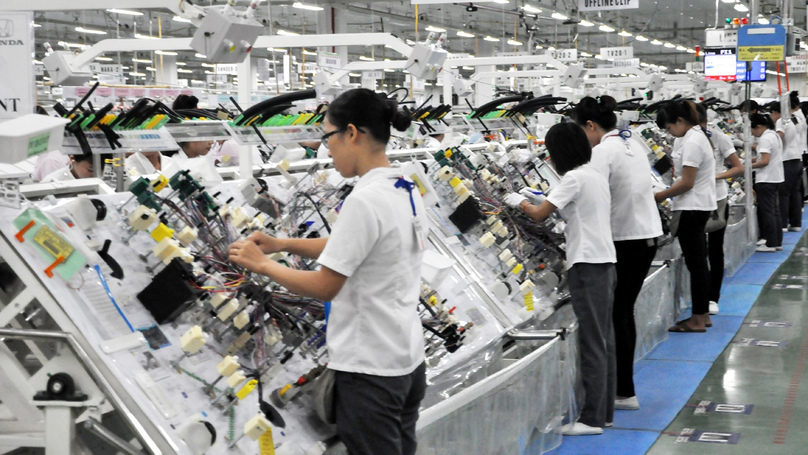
209,65
513,42
127,12
501,2
299,5
624,33
198,55
728,1
559,16
641,38
104,59
656,42
181,64
463,34
741,8
691,51
37,62
66,44
183,70
36,25
644,65
180,19
141,60
585,54
286,33
663,68
605,28
124,67
598,56
551,48
305,52
681,48
90,31
388,70
492,39
275,49
137,74
763,21
366,59
586,23
165,53
670,45
209,72
354,75
149,68
432,28
139,36
531,9
467,68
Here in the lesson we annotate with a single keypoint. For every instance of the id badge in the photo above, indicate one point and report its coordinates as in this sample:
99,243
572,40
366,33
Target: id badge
628,151
419,232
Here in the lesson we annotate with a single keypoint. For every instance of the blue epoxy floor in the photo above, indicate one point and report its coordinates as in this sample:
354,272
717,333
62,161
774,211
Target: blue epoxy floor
668,376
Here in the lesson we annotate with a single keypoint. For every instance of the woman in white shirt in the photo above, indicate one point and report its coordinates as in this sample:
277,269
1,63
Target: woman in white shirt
80,167
582,198
146,163
768,181
724,153
635,226
371,271
793,134
693,194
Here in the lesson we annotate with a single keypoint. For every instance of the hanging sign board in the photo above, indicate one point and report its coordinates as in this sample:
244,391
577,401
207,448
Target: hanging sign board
627,63
721,38
17,73
329,60
607,5
565,55
765,43
617,53
797,63
227,68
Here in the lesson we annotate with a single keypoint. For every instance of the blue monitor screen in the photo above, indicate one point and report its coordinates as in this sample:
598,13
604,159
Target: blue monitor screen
757,72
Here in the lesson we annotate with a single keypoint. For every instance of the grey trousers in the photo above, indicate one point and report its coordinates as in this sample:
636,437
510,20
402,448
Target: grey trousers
377,414
592,291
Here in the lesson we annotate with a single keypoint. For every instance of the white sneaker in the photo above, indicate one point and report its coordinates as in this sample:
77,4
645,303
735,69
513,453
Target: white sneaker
609,424
713,307
761,242
580,429
795,229
765,249
626,404
785,230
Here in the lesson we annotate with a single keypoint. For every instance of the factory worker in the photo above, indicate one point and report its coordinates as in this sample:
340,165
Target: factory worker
371,272
227,153
146,163
768,181
80,167
191,150
47,163
793,133
635,225
693,194
582,198
724,151
435,140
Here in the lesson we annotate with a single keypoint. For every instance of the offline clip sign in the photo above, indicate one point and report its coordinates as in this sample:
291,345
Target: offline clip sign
765,43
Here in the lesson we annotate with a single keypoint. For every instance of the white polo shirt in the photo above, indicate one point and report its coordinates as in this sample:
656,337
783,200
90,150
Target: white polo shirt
47,163
723,149
694,150
59,175
634,213
374,327
802,130
582,198
769,142
142,164
791,145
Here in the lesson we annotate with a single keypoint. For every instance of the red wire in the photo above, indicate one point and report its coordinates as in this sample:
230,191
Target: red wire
779,89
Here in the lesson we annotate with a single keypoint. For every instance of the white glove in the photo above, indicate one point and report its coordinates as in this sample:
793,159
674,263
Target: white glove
535,197
515,200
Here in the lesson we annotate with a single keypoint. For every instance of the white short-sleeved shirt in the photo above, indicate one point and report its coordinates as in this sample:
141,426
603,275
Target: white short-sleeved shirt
634,212
583,200
694,150
47,163
59,175
802,130
142,164
374,327
769,142
791,144
723,149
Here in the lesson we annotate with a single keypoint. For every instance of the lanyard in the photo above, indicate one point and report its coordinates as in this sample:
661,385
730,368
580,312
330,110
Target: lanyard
624,135
406,184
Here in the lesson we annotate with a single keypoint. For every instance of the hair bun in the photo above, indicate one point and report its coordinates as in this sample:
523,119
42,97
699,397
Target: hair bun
606,103
401,121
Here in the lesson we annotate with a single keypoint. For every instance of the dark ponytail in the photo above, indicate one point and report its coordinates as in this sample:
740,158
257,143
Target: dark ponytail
598,110
370,111
675,110
761,119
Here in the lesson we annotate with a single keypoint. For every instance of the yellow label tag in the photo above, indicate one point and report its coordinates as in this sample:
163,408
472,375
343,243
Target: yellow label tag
266,444
529,301
52,242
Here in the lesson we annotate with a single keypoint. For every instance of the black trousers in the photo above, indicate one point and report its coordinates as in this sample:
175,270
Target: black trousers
769,221
377,414
715,253
634,259
694,249
791,194
592,293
